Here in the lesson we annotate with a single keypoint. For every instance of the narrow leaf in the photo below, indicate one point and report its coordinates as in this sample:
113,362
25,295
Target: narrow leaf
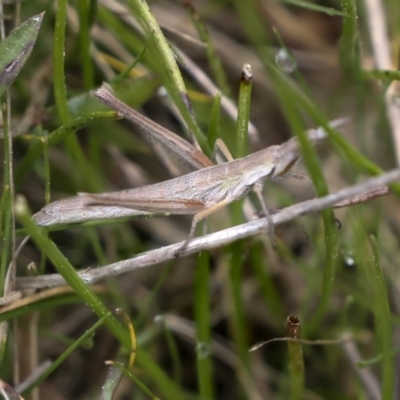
16,48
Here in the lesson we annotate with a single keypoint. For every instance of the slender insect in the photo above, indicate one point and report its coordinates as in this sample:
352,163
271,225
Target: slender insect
200,192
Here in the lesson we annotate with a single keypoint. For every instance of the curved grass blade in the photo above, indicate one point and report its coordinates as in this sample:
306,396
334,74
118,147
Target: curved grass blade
55,137
315,7
88,333
168,68
64,267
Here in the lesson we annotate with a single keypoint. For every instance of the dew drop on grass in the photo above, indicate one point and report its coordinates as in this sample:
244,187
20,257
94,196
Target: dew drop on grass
159,319
285,61
349,262
203,349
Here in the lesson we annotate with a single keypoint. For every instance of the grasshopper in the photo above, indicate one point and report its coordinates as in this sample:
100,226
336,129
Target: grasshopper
200,192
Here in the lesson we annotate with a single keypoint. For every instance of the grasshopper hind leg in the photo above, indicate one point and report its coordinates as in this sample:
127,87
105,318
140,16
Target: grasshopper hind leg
197,218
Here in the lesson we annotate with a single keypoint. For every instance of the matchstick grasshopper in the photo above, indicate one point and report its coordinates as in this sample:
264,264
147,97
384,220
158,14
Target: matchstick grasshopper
201,192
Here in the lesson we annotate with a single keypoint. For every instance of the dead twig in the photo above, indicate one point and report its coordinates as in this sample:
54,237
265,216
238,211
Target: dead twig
214,240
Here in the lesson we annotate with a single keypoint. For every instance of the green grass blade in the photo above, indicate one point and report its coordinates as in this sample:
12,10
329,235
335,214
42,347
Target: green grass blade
214,121
243,118
202,316
60,359
296,359
383,321
134,379
388,76
64,267
84,9
315,7
168,67
254,29
236,257
238,318
213,58
349,39
6,229
268,288
55,137
130,67
173,350
60,90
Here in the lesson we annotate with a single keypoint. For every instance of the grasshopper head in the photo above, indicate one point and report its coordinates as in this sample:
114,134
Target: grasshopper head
289,152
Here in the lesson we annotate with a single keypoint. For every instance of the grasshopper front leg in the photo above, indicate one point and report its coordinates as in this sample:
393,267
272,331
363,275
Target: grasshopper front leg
197,218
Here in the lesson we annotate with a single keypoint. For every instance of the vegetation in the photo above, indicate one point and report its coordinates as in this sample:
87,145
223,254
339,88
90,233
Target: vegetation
184,327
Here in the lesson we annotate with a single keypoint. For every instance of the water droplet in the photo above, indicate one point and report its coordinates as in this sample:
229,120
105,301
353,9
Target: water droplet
159,319
285,61
349,262
203,349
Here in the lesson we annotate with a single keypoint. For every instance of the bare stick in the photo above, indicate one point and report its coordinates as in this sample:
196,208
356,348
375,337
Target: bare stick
217,239
363,197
